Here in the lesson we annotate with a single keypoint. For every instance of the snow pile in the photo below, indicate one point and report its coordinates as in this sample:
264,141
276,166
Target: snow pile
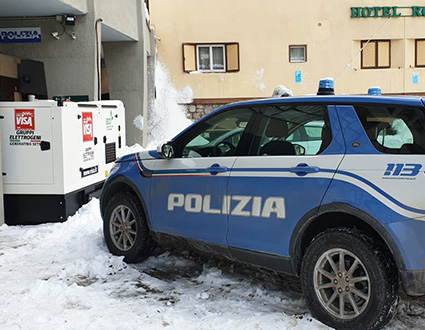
168,118
282,91
138,122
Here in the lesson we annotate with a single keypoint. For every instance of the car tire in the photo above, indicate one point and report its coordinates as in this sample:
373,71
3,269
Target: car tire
125,228
359,293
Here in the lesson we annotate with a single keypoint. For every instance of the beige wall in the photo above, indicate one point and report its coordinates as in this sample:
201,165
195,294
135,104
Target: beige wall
265,29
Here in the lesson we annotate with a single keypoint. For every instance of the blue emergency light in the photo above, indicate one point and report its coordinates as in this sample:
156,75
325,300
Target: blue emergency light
374,91
326,87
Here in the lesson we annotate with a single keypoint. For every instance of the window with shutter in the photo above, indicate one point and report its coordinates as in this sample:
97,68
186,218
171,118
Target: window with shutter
211,57
376,54
368,56
383,54
232,54
420,53
189,57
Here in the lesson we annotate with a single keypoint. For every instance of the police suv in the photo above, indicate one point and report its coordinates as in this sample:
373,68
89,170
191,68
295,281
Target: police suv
330,188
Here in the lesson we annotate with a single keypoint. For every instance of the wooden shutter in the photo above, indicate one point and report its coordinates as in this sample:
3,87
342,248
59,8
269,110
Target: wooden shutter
232,57
368,55
189,57
420,53
383,54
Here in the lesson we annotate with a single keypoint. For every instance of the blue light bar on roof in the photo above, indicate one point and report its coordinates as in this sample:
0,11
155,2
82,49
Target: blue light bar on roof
374,91
326,87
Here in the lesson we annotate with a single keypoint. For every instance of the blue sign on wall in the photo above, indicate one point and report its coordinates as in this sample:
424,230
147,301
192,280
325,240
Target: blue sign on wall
298,76
20,35
415,78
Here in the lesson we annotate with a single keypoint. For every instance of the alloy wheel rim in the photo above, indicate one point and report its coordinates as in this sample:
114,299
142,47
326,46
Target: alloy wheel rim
342,284
123,228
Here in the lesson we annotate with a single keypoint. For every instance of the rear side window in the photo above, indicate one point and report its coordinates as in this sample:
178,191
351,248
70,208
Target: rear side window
394,129
286,130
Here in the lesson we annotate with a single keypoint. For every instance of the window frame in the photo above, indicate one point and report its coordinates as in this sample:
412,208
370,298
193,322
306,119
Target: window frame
389,113
260,126
298,46
210,46
416,54
376,43
244,142
191,58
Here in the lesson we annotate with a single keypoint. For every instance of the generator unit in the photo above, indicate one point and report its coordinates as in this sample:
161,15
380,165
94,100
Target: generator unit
55,157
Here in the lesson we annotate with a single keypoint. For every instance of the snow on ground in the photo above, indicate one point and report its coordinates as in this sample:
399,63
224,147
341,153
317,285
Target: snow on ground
61,276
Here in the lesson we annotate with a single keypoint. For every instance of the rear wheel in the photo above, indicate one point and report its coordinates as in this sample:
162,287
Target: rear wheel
349,282
125,228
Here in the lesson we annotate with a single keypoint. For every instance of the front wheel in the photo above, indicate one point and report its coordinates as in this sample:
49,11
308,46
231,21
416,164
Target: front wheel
349,282
125,228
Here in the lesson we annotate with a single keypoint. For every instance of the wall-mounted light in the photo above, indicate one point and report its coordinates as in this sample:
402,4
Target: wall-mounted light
69,20
65,20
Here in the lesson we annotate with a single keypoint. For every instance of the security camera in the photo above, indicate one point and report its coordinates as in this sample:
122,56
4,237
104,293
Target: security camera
55,35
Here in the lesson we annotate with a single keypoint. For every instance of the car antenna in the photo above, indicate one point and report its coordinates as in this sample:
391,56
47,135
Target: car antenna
361,49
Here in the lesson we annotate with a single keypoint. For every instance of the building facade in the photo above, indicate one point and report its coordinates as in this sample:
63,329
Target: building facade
79,49
227,50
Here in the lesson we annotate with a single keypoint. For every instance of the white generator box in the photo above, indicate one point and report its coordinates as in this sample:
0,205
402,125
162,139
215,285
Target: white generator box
55,157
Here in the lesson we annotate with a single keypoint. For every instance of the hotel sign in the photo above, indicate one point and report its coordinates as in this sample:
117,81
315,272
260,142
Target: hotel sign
393,11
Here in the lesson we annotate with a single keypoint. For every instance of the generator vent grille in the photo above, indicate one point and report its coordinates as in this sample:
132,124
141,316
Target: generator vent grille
110,153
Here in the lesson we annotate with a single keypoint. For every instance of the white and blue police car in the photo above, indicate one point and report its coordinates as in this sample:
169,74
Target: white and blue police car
345,213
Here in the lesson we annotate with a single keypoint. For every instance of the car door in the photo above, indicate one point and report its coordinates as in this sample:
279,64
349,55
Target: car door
188,191
278,183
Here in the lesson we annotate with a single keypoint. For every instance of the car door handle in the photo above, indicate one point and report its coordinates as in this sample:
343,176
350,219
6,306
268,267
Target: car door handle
214,169
303,169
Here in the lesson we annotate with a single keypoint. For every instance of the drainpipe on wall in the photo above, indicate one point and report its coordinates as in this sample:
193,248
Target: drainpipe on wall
98,59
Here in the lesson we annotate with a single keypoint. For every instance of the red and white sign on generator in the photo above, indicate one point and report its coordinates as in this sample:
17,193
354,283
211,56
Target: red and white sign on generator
87,126
24,119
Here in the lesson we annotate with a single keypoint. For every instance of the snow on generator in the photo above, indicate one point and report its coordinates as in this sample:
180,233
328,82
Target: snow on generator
55,157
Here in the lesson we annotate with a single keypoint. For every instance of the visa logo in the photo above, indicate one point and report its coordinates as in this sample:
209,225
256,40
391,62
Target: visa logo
88,129
87,126
21,120
24,119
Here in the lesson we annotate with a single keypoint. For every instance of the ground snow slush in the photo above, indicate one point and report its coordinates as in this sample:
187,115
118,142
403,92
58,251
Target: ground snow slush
61,276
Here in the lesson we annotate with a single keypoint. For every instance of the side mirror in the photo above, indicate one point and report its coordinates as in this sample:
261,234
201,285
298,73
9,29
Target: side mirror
166,150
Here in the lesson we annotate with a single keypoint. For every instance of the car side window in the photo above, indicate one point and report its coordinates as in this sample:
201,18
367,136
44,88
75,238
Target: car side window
217,136
292,130
394,129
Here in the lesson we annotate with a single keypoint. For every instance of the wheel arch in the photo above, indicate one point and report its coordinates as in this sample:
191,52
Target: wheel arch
339,215
122,184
